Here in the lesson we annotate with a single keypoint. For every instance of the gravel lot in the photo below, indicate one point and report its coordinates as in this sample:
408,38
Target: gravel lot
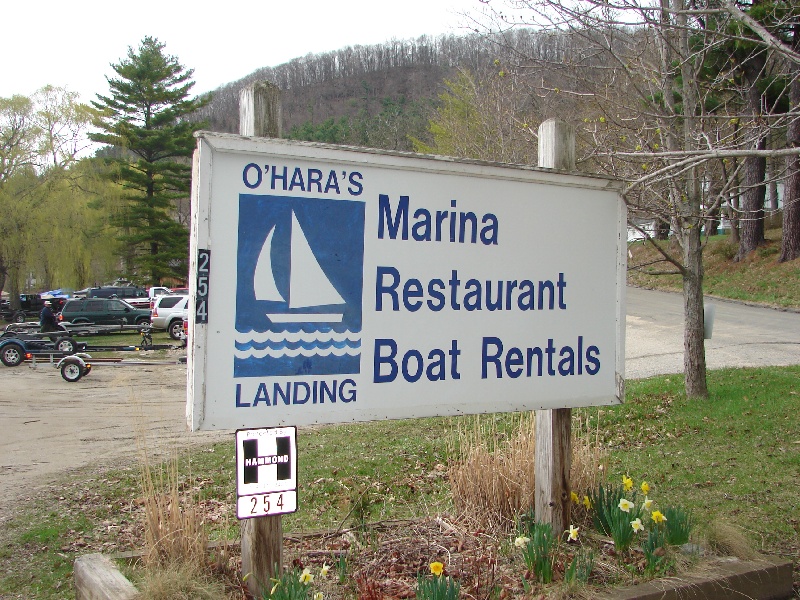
50,427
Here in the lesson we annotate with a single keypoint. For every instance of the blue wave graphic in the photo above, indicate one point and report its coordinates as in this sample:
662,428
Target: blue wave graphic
305,345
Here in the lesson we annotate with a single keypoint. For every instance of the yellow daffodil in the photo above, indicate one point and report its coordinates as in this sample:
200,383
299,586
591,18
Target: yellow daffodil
274,587
645,488
573,533
625,505
574,497
657,517
521,541
587,503
306,577
318,596
648,504
627,483
437,568
323,572
637,525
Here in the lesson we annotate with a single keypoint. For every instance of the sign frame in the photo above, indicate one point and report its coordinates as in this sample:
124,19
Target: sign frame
209,196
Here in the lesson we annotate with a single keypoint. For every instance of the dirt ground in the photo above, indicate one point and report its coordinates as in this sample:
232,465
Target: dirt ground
50,426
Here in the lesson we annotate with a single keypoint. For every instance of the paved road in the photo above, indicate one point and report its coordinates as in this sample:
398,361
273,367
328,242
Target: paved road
48,426
743,336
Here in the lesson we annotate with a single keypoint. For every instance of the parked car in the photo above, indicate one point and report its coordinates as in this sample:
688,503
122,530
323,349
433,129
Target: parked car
168,313
133,295
102,311
30,305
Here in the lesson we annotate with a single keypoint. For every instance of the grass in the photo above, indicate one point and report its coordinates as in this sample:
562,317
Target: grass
758,278
129,338
732,459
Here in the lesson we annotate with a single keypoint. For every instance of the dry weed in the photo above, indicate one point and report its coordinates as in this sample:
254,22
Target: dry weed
180,582
174,526
492,480
726,539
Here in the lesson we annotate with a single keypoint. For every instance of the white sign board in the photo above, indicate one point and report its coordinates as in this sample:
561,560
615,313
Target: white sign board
266,471
341,285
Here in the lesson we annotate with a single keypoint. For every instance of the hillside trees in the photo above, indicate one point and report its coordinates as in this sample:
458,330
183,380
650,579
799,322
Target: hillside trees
393,128
145,116
322,86
484,118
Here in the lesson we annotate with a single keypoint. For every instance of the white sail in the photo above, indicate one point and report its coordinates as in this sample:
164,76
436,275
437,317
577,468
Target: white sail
263,278
308,284
309,287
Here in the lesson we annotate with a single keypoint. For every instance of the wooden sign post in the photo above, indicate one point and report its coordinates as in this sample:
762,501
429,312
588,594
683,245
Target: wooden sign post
262,537
554,427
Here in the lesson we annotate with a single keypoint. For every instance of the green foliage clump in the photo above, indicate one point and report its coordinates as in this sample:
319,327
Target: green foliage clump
292,585
437,587
610,519
678,525
537,550
580,568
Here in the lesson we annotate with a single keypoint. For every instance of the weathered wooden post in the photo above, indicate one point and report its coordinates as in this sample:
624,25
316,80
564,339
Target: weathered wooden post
262,537
260,110
554,427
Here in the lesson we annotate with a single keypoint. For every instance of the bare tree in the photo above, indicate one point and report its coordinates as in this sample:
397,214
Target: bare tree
659,108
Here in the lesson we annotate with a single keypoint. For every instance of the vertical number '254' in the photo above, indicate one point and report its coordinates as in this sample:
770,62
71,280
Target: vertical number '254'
203,271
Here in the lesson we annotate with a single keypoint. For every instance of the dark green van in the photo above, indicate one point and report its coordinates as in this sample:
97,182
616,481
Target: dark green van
104,311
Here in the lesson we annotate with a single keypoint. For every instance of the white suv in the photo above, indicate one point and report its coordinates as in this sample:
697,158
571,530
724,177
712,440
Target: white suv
168,313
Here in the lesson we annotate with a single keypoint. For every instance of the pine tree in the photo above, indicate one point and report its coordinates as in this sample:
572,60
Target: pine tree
144,117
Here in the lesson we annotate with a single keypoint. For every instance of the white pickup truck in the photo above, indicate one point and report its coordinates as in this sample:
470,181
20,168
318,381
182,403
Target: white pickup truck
135,296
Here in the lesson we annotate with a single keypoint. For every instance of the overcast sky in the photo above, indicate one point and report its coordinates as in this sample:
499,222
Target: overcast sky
72,43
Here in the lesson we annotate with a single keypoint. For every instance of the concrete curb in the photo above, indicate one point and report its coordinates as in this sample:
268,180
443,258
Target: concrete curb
721,578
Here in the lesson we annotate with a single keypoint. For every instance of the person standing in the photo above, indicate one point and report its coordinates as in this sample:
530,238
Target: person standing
47,320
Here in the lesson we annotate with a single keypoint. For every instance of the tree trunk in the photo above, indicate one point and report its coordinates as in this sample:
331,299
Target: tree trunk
3,273
661,230
15,287
790,245
688,224
751,222
733,219
694,353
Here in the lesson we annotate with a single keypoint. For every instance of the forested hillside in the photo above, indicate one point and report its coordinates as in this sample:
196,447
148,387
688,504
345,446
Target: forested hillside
357,82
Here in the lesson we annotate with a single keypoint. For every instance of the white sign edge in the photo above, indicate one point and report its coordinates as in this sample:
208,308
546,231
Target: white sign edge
210,142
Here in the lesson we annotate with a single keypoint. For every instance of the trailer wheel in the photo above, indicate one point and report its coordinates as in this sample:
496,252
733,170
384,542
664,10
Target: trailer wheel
65,345
12,355
72,371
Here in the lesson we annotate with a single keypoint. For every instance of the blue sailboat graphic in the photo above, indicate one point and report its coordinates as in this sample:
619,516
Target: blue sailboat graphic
309,286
